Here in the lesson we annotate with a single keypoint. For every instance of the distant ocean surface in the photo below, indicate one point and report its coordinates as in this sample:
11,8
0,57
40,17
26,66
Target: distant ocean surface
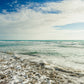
65,53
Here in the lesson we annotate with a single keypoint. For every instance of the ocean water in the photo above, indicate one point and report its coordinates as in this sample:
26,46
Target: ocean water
65,53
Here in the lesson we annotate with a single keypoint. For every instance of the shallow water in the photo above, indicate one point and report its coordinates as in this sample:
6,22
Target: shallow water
62,53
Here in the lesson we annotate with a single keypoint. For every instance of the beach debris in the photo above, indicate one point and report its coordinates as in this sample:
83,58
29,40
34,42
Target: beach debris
15,70
2,76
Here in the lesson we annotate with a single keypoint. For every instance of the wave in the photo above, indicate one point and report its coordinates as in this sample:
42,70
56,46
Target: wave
29,53
67,53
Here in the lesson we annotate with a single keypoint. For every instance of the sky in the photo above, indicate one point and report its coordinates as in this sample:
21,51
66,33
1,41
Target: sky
41,19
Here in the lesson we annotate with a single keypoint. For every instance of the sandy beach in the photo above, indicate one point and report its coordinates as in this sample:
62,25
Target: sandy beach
25,70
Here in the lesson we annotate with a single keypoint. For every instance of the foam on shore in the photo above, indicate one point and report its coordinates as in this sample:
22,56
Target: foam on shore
33,70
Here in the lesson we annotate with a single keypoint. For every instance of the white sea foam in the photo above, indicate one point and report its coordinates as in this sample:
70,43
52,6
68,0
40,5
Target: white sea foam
62,53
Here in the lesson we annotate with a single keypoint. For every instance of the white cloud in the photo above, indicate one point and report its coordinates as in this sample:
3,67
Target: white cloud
30,24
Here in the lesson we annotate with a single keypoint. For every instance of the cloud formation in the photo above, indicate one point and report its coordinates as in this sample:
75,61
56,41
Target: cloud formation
36,21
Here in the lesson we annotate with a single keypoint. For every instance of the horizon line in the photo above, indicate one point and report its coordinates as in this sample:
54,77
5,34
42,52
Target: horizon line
33,40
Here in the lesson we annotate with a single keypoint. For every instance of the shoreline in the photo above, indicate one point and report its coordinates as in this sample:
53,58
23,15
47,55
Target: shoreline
22,70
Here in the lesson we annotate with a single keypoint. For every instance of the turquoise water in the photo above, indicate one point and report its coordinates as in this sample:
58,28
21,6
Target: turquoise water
66,53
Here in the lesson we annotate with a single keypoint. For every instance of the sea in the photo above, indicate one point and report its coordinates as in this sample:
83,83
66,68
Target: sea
64,53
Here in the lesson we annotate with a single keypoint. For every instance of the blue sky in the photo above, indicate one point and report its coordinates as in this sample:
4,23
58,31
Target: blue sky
10,5
41,19
73,26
